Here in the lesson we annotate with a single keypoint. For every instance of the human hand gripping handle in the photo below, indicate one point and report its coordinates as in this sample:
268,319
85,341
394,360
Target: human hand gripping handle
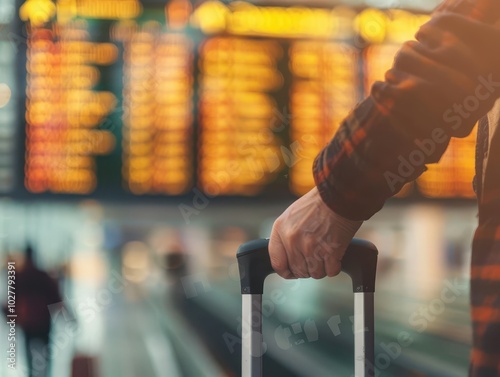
309,239
359,262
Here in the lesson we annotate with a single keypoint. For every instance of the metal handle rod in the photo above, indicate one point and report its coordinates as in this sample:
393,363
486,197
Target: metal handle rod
364,329
251,333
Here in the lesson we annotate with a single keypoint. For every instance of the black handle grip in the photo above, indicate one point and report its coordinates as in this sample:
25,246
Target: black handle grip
359,262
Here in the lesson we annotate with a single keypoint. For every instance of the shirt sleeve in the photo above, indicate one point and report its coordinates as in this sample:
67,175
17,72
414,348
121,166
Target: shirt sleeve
374,153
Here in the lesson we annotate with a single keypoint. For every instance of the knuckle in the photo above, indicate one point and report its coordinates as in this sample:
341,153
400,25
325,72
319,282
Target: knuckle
317,274
278,223
407,46
335,269
300,273
292,236
278,265
308,251
310,241
284,274
321,251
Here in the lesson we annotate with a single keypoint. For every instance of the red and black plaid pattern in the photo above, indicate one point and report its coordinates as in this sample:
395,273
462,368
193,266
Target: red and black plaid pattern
353,175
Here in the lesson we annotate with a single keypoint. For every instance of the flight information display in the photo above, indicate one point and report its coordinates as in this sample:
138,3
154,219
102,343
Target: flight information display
63,110
238,153
324,90
151,98
158,112
8,106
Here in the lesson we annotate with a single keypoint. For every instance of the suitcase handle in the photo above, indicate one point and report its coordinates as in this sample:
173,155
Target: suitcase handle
359,262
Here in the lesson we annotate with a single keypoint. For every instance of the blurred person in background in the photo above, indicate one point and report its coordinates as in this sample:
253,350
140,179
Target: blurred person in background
175,263
35,292
440,85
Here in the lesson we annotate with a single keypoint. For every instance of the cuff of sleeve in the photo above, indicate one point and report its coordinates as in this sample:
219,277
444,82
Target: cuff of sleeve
355,186
342,205
341,183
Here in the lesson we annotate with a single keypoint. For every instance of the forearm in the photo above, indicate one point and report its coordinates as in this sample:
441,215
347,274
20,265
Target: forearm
406,123
369,161
481,10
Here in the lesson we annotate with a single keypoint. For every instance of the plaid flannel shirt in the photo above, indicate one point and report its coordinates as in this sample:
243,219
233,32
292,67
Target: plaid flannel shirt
351,174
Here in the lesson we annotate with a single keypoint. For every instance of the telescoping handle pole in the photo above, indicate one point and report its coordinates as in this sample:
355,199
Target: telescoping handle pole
359,262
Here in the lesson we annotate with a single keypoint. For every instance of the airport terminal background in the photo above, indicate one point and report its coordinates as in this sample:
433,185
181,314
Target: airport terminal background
142,141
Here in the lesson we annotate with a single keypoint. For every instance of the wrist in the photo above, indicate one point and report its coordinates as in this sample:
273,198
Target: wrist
333,217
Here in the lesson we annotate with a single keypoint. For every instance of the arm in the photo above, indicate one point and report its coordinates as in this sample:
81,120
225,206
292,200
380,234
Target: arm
408,120
406,123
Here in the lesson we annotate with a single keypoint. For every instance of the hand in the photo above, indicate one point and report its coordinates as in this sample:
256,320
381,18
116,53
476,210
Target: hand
309,239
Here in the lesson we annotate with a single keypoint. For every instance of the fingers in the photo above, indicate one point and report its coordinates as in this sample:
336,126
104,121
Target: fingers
288,262
297,263
277,253
312,260
294,261
307,235
331,254
333,265
315,264
314,267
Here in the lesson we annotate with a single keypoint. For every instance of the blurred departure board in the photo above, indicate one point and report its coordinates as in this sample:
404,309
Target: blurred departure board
7,117
129,98
8,102
378,60
158,115
325,89
238,153
62,109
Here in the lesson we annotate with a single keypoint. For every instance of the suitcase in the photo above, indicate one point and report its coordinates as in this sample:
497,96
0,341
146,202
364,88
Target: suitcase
359,262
